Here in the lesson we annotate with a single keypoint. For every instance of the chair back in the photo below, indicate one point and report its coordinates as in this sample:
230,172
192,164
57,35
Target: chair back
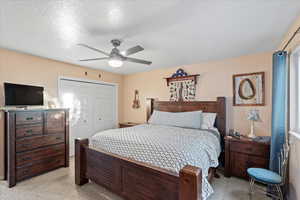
283,162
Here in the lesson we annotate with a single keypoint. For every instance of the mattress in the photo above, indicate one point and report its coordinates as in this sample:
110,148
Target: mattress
166,147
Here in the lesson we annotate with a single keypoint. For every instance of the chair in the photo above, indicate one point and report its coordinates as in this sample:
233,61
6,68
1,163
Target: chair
270,178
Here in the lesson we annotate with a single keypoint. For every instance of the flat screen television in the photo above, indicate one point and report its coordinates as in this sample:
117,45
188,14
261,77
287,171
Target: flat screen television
23,95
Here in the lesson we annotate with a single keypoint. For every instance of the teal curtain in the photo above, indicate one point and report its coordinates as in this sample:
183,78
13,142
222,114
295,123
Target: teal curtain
279,106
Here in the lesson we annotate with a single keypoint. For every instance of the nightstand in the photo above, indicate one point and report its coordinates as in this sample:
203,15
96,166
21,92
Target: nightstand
127,124
243,153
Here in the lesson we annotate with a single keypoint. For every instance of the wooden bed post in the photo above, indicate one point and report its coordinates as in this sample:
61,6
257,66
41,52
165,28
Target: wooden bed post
221,118
190,183
80,161
149,108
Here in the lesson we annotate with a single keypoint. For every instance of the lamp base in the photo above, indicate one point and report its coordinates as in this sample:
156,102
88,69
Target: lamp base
251,134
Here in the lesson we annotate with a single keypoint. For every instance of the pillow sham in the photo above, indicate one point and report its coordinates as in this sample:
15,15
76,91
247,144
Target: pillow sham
208,120
178,119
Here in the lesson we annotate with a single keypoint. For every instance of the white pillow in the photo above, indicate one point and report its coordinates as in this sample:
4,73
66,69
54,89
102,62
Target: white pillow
208,120
179,119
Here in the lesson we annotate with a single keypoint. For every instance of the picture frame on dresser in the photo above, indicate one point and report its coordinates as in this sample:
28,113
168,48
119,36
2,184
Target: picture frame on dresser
37,141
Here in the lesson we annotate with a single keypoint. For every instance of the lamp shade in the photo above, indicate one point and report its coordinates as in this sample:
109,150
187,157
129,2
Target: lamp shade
253,115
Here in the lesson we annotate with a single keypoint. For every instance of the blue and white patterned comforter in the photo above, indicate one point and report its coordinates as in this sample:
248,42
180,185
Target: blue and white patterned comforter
166,147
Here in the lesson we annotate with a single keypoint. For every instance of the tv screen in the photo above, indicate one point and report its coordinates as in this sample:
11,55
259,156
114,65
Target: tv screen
23,95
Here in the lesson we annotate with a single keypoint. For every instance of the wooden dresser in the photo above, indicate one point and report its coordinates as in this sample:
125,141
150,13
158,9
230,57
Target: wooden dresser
241,154
37,141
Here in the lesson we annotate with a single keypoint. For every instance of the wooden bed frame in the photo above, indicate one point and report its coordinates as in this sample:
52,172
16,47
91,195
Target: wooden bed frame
135,180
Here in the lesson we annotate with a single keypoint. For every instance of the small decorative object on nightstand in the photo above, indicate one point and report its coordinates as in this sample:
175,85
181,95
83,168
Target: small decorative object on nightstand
244,153
253,116
127,124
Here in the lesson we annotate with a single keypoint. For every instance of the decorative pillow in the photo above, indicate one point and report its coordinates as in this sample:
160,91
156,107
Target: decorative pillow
208,120
179,119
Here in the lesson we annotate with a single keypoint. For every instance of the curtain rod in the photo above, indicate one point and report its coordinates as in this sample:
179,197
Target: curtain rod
287,44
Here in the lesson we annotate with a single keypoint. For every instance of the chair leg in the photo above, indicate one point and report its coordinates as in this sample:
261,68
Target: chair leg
251,186
279,192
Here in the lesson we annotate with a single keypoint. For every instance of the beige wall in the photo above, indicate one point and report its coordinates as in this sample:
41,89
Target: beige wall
215,80
26,69
294,168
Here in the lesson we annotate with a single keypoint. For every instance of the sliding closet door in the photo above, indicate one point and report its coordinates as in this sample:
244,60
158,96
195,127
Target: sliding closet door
92,108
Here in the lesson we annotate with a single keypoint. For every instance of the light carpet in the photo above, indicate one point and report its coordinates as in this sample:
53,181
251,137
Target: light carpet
59,185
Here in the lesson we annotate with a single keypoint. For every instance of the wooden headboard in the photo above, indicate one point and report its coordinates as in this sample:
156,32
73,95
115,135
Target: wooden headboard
218,107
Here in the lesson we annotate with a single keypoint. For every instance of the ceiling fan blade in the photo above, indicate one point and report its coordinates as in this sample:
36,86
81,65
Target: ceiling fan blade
138,61
133,50
94,49
91,59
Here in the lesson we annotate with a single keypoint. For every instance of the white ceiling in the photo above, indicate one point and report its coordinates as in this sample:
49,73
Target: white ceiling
173,32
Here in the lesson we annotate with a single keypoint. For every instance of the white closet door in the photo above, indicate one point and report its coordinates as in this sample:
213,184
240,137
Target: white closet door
105,113
92,108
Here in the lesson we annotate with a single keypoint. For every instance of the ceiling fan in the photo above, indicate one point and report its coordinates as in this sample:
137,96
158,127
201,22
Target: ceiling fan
115,57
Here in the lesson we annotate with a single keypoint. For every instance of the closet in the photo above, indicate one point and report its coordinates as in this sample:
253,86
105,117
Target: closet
93,107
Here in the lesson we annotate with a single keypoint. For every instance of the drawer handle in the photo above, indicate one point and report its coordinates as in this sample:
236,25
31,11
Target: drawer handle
25,159
29,131
58,138
51,161
25,145
249,149
29,118
25,172
249,163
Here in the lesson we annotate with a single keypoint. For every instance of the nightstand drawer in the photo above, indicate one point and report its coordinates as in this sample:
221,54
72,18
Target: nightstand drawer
250,148
239,163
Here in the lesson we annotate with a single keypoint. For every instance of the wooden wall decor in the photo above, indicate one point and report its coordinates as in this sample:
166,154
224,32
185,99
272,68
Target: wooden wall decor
249,89
182,86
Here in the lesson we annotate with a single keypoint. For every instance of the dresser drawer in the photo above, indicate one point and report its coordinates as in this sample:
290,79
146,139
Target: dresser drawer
54,122
28,117
39,167
250,148
29,130
39,141
27,158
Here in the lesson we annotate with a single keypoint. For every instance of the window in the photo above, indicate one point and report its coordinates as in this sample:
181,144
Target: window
295,93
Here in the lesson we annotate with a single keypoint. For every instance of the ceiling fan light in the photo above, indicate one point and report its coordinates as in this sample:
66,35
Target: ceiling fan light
115,62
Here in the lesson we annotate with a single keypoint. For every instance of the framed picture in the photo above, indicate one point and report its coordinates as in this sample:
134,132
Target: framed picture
249,89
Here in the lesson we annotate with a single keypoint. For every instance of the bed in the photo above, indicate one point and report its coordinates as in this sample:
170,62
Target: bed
114,158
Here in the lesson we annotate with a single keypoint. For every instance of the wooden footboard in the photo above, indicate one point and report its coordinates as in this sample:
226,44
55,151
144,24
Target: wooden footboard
135,180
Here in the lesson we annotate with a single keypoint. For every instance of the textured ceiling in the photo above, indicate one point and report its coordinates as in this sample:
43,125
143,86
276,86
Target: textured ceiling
173,32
